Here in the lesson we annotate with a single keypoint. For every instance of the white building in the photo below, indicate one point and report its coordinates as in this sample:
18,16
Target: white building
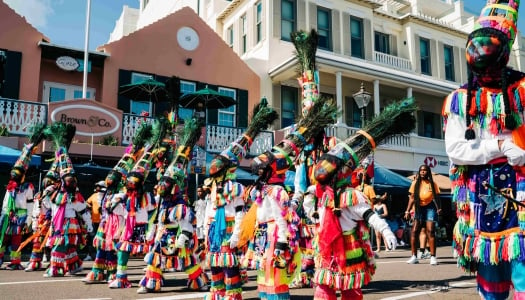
396,48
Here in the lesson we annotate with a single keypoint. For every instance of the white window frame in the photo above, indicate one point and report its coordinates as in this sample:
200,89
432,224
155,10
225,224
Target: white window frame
187,83
229,33
258,22
70,90
138,77
244,34
232,110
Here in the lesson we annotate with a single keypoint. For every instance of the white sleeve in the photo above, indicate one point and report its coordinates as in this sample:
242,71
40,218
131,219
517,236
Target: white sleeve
468,152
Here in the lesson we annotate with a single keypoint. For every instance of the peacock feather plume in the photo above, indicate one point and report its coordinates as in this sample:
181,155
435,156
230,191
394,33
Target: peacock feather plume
37,134
61,134
397,118
262,117
305,49
140,138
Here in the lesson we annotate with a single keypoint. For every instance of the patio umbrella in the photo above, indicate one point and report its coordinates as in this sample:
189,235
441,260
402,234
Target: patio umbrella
146,90
206,98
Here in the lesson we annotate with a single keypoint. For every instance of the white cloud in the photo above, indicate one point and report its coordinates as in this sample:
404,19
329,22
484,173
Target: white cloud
36,12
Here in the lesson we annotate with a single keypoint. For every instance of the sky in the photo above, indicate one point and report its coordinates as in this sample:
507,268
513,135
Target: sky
64,21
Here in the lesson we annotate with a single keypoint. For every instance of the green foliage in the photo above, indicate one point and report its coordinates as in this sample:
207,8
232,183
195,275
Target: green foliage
4,131
109,140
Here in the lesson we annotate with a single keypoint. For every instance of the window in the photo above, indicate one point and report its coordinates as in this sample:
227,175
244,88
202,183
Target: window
449,62
356,40
244,31
356,115
382,42
229,37
324,28
288,106
227,115
429,124
144,4
288,16
424,52
258,21
54,92
138,107
186,87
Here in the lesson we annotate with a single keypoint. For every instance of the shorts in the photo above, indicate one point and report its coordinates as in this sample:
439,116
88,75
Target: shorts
427,213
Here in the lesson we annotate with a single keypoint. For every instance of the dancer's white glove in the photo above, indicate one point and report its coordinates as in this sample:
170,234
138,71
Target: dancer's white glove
390,239
515,155
181,241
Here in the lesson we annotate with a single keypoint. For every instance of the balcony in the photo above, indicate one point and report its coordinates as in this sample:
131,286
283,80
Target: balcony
395,62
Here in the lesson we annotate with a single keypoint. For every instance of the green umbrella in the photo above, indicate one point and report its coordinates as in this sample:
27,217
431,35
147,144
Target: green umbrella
146,90
206,98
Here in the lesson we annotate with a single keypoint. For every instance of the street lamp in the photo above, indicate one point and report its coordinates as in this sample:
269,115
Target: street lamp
362,98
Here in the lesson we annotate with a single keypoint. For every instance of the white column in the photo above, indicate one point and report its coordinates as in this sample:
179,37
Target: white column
409,92
339,95
377,109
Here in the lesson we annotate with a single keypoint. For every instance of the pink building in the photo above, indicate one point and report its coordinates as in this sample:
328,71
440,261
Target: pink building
43,81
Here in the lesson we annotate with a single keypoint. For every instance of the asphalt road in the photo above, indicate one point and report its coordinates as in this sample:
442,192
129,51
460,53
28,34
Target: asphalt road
394,279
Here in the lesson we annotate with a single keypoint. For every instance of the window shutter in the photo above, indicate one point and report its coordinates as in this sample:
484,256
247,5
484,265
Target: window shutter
264,20
393,44
433,58
123,103
368,38
276,18
301,15
417,53
440,60
336,32
346,34
420,123
313,15
458,76
12,72
242,108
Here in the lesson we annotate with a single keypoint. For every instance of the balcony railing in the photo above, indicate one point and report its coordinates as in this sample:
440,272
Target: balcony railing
219,137
342,132
18,115
393,61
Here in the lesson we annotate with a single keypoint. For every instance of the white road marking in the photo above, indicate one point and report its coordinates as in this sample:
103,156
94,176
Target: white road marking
80,279
178,297
432,291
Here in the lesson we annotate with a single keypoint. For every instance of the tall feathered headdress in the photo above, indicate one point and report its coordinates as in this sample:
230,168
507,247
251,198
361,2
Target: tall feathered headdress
159,129
35,137
176,170
316,112
396,118
61,134
227,162
134,150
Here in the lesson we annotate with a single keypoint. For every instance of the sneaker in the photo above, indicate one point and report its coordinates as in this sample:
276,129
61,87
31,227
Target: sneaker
401,243
142,290
419,254
413,260
75,271
88,258
433,261
426,255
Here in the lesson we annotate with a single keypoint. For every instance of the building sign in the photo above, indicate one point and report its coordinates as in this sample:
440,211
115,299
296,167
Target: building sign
89,120
67,63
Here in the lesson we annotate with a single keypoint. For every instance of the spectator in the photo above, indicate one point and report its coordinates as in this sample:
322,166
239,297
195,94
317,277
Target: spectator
380,209
424,194
94,204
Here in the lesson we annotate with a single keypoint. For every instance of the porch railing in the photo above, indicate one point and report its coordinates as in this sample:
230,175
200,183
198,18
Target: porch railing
393,61
219,137
17,116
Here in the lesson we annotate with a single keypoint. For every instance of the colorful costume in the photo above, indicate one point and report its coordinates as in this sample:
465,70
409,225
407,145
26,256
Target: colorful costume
13,217
175,238
344,257
42,218
226,209
70,218
484,140
105,264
